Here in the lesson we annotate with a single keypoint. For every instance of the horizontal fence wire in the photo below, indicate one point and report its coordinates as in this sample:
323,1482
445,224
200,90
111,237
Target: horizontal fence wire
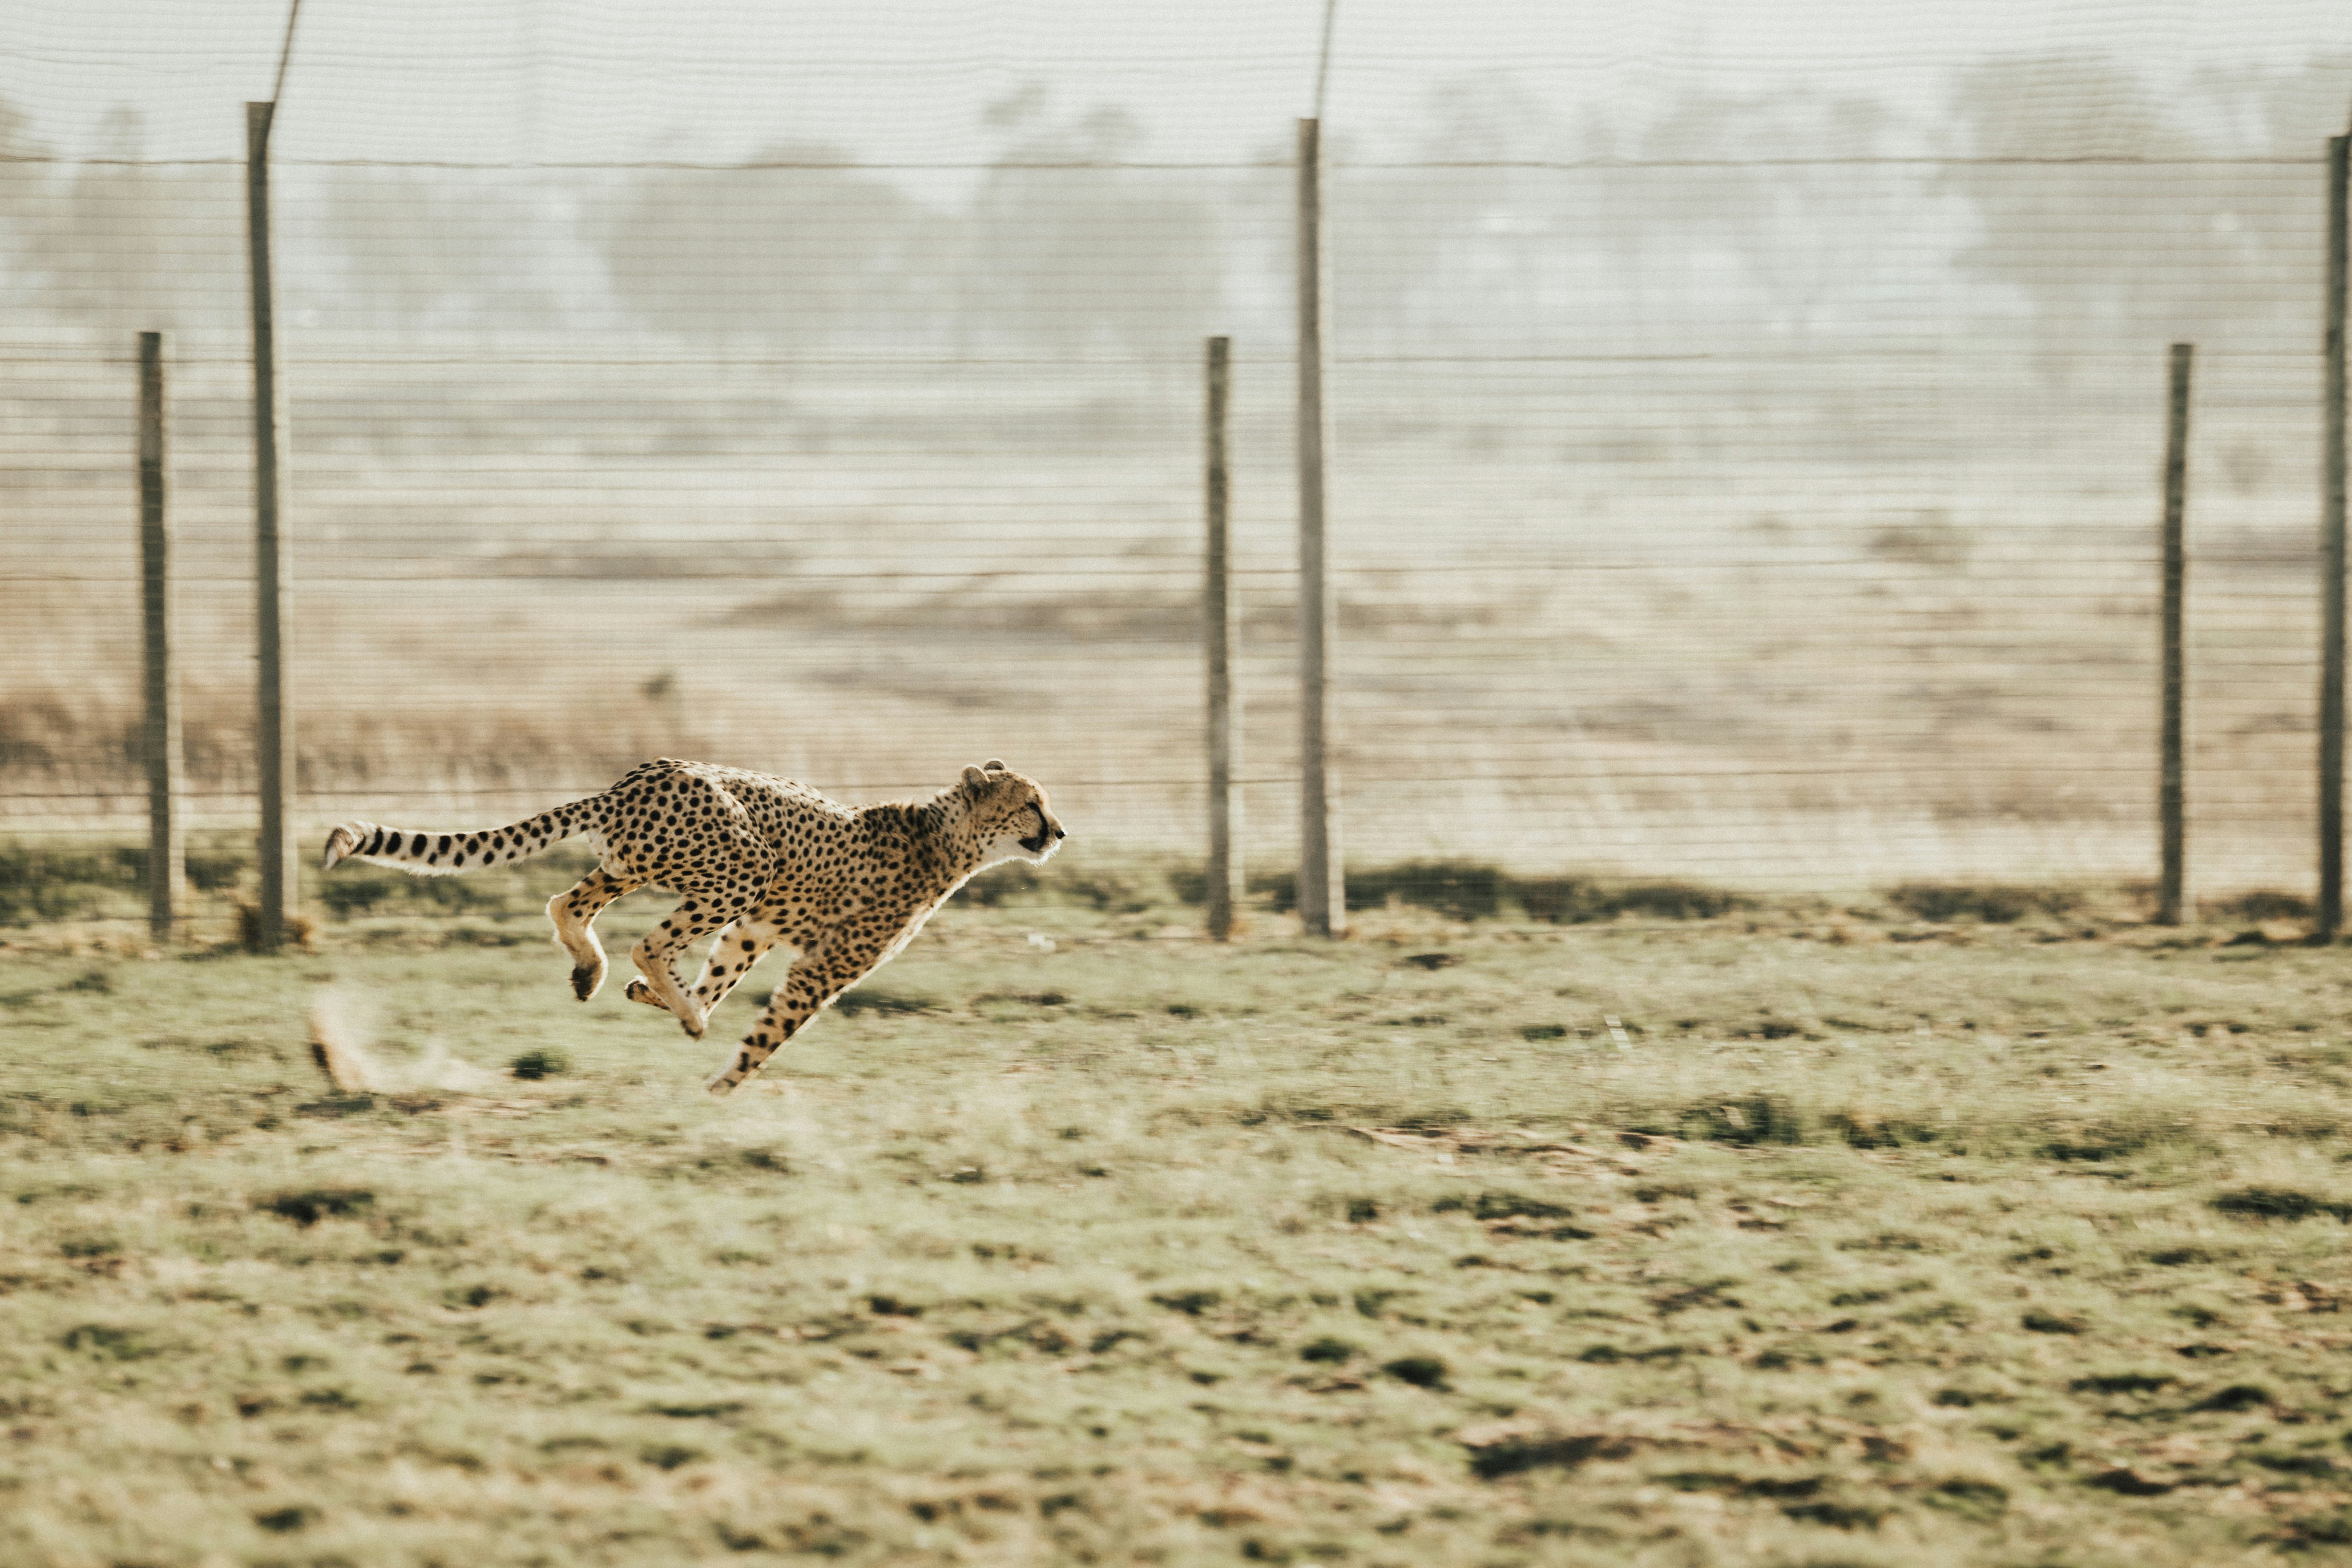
1764,492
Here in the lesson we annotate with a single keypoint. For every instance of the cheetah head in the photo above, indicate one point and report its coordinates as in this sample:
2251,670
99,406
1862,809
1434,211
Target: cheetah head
1011,815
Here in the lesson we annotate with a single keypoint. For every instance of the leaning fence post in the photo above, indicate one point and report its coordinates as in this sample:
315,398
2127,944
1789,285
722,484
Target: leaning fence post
1220,629
2331,532
160,733
274,724
2171,790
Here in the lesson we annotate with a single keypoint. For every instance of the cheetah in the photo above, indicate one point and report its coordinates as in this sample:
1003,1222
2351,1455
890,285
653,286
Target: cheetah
763,862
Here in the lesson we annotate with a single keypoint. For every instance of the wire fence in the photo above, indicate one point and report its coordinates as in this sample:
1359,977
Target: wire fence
1768,498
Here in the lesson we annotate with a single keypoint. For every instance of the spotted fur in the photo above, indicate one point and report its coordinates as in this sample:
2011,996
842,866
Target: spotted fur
763,862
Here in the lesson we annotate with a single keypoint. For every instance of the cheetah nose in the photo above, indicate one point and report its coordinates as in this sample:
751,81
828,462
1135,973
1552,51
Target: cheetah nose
1061,833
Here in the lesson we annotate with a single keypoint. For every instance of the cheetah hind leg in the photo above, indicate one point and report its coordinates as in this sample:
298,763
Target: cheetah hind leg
575,912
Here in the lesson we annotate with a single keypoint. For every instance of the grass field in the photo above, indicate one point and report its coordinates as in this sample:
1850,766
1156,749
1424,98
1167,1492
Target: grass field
1795,1235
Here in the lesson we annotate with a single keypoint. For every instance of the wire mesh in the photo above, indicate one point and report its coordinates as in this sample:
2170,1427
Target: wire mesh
1751,479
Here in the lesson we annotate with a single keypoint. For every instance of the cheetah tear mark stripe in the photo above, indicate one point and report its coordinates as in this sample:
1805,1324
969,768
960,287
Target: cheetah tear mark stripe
440,854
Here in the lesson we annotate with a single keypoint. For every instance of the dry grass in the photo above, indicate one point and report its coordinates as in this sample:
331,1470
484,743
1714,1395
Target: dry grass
1719,662
1765,1239
1726,741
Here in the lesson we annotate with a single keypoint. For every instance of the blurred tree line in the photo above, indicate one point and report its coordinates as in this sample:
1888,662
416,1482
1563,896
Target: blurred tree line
1498,216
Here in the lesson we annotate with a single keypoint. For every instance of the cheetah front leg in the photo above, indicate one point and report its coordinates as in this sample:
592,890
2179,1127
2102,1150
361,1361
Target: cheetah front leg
655,955
812,983
575,912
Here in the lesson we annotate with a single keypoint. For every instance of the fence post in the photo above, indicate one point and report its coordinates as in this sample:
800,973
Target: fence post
274,722
2172,776
1322,892
160,733
1220,632
2331,533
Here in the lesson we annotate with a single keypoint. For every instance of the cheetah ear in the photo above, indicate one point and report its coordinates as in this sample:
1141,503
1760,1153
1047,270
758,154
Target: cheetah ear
993,766
975,777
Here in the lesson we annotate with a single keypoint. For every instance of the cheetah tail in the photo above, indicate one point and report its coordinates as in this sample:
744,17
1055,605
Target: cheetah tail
439,854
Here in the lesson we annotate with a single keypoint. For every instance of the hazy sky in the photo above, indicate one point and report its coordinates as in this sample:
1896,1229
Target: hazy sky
597,80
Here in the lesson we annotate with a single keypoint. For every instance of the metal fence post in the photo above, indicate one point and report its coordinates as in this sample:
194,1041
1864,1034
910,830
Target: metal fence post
160,731
1322,892
2331,533
1220,632
274,721
2171,788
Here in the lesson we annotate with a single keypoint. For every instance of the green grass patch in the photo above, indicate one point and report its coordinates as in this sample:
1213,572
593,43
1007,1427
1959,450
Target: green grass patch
2279,1203
1993,903
1612,1241
1475,891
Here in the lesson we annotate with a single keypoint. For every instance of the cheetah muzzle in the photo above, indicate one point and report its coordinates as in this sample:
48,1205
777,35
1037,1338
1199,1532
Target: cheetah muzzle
762,862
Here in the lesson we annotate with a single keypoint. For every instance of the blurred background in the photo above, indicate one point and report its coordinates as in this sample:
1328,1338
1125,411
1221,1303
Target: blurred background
1747,418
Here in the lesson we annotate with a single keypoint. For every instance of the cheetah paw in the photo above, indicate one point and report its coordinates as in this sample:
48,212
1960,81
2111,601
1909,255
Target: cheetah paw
585,980
638,991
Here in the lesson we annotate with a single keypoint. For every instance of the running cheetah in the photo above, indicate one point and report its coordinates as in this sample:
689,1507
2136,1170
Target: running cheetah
762,861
